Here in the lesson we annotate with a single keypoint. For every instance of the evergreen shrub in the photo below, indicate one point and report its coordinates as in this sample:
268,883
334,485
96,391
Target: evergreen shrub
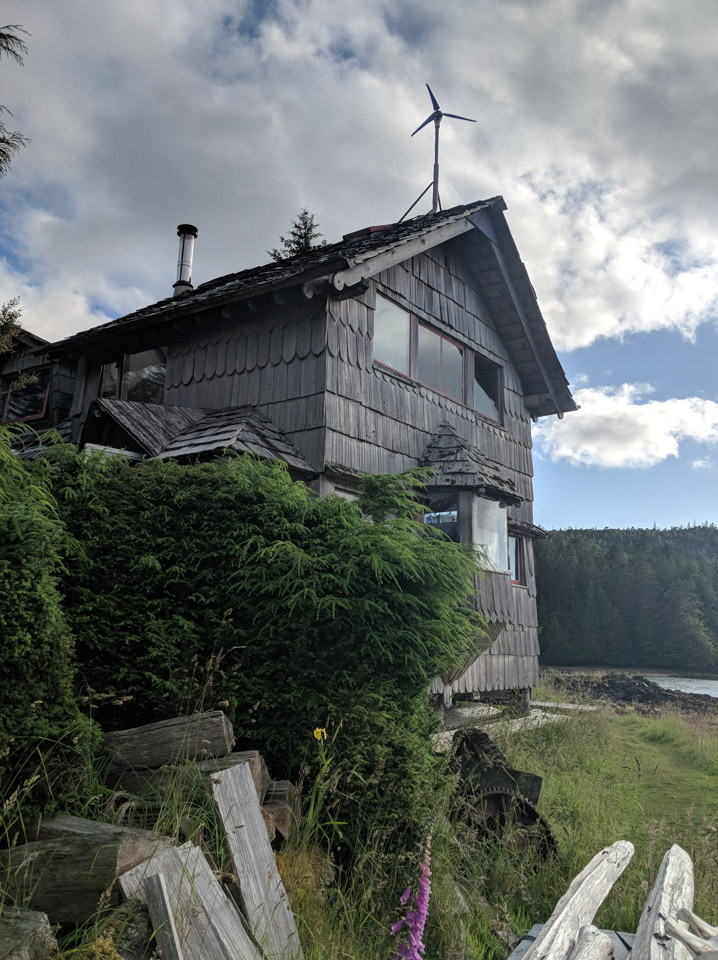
227,584
37,709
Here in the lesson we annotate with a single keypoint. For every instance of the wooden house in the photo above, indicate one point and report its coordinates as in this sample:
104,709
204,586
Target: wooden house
413,343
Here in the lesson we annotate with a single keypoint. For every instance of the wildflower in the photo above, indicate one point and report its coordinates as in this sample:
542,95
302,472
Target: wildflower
415,918
320,733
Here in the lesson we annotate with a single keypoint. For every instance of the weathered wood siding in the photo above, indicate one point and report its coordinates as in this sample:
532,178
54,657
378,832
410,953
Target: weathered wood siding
379,421
274,360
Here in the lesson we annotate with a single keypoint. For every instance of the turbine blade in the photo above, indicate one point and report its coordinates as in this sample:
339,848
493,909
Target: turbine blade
457,117
428,120
434,101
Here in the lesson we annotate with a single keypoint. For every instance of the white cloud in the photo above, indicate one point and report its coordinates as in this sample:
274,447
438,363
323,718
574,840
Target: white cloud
702,463
594,121
620,427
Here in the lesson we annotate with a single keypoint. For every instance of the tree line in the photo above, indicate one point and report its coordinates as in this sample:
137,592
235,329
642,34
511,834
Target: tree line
644,598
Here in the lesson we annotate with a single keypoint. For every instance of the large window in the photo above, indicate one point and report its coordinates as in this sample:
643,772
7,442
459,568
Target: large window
140,376
490,532
28,401
419,351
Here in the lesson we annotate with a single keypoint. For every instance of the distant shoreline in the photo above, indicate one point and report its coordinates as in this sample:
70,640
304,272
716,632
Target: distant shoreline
599,671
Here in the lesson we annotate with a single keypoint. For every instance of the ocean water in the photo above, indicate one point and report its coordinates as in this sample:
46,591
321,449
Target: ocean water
686,684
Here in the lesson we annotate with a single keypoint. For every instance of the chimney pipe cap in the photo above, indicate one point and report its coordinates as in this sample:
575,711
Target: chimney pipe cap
185,228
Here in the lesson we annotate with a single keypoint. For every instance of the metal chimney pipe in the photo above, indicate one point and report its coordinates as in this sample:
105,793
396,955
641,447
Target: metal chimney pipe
187,235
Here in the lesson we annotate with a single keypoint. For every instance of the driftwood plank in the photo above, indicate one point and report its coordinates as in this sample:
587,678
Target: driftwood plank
672,891
208,926
578,906
25,935
67,875
133,844
163,921
592,944
199,736
263,895
279,803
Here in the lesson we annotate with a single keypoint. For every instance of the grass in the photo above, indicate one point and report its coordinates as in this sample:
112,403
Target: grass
607,776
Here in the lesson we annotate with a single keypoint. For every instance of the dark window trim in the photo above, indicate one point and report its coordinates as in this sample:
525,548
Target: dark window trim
520,579
34,416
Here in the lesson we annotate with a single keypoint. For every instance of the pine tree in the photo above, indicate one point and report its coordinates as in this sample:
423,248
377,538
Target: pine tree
304,235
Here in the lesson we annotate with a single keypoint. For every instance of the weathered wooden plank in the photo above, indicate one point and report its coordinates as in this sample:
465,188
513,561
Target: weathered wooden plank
208,926
263,896
25,935
163,921
578,906
254,760
69,873
201,735
592,944
672,891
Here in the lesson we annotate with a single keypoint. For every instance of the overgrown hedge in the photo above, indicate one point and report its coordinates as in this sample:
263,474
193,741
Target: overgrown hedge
38,715
227,584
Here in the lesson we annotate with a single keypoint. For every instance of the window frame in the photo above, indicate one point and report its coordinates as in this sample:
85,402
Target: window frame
468,355
45,402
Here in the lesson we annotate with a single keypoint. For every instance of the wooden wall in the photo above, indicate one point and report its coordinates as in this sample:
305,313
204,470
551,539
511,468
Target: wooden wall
380,421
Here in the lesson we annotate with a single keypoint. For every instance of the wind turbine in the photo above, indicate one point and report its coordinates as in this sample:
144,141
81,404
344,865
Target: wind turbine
436,116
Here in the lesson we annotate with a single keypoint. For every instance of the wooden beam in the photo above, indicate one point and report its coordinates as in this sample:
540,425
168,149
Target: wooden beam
163,921
263,895
370,264
199,736
208,926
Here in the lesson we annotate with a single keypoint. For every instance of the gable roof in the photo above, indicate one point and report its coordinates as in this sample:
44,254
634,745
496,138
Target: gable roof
458,463
342,267
169,432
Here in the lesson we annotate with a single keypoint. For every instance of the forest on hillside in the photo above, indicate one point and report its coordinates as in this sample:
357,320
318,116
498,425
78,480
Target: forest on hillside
629,597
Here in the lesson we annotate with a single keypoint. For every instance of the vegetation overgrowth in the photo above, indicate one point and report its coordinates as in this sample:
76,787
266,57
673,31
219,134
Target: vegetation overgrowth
629,598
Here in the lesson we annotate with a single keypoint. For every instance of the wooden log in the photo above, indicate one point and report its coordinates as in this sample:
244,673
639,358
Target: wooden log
672,891
592,944
257,767
208,926
199,736
67,874
25,935
163,921
264,898
578,906
279,803
143,782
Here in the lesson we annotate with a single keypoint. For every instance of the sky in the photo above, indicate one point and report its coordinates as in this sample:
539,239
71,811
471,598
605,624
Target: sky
595,121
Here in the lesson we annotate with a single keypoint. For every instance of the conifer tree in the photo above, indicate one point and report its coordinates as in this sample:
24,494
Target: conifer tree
11,142
303,236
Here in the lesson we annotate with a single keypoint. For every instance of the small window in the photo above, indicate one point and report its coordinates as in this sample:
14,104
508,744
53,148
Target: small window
141,377
516,560
490,532
487,387
444,514
392,335
29,401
